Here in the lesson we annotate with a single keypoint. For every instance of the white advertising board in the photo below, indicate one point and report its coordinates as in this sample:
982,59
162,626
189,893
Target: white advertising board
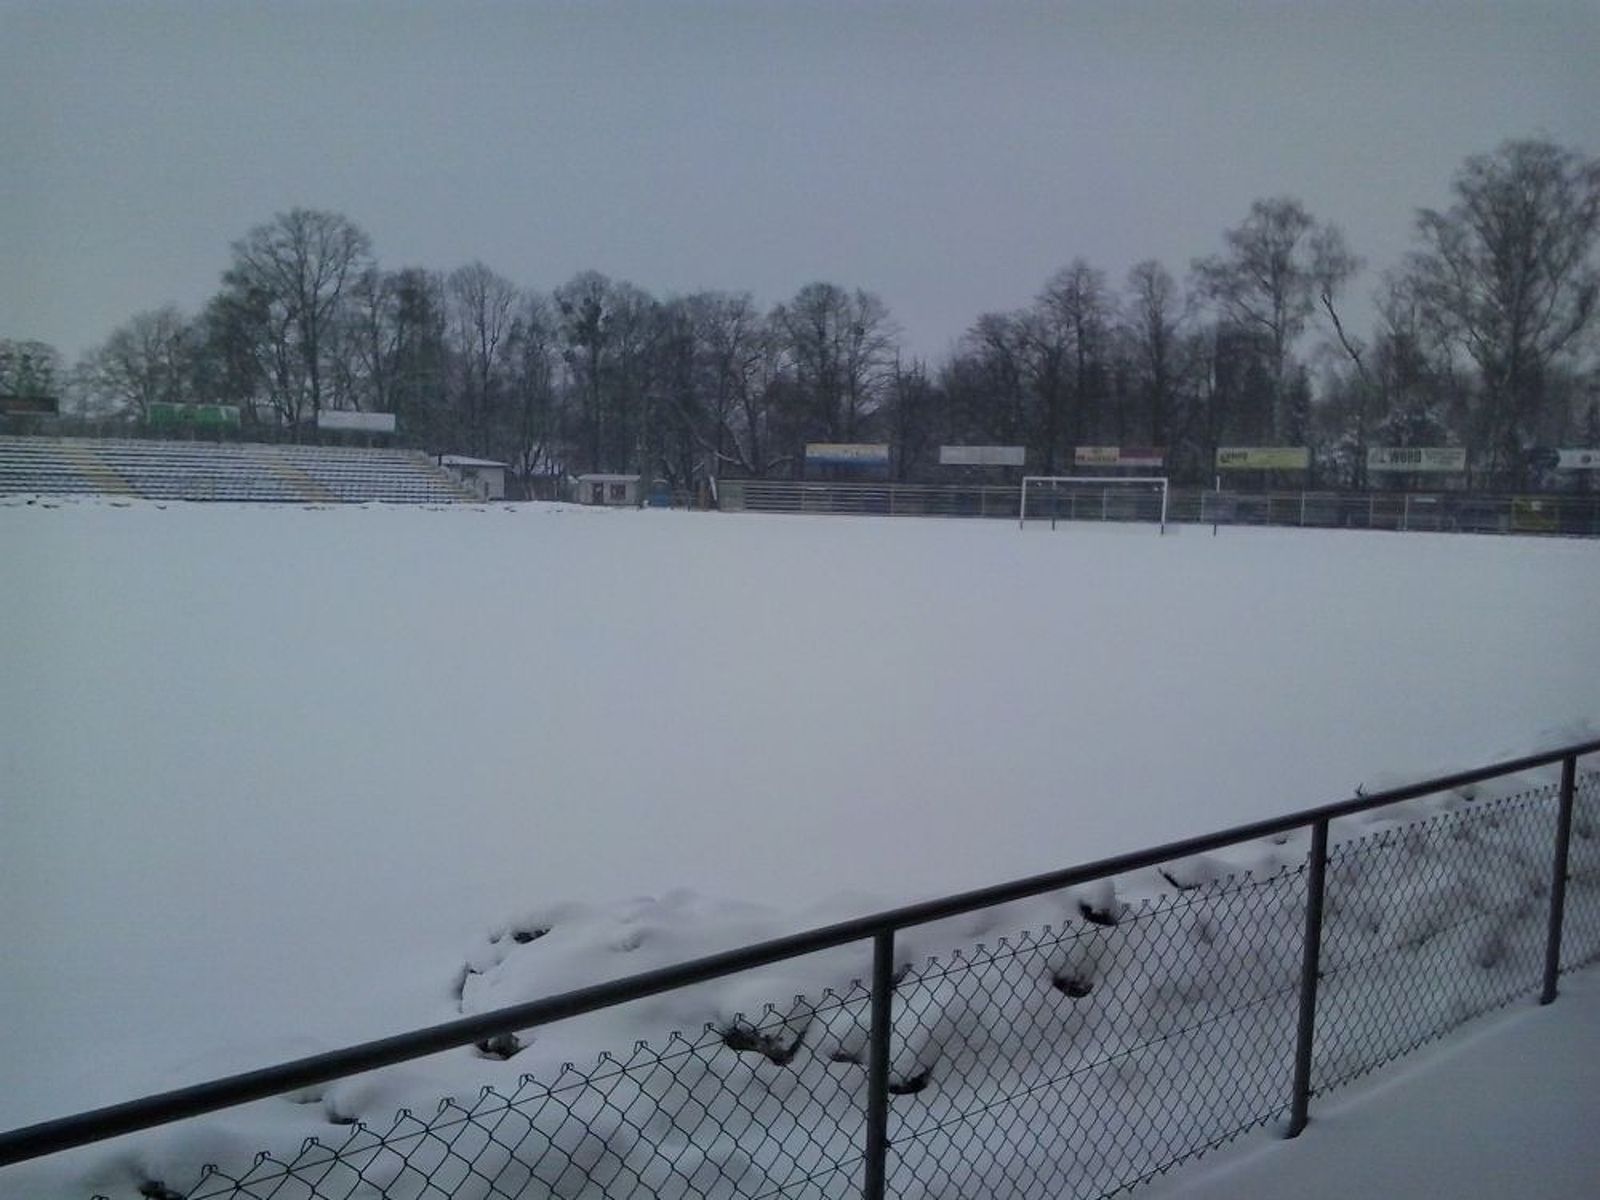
358,422
1417,458
848,454
982,456
1578,460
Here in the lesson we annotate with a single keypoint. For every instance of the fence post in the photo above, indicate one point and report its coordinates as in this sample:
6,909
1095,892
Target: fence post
878,1065
1558,880
1309,968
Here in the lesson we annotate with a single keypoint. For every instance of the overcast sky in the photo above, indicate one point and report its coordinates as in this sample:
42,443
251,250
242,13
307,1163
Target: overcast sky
948,156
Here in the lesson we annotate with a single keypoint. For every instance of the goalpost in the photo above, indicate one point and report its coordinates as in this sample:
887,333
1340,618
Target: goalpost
1053,487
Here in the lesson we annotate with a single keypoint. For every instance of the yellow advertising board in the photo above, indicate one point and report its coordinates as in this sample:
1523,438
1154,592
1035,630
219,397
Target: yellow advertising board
1263,458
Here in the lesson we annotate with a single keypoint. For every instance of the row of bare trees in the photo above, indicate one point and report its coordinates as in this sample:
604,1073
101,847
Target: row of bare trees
1485,336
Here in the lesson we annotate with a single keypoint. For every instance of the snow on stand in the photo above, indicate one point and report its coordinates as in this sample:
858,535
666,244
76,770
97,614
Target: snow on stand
1069,1044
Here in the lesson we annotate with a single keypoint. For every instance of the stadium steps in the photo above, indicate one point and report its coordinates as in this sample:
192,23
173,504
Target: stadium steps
298,480
458,489
104,478
258,473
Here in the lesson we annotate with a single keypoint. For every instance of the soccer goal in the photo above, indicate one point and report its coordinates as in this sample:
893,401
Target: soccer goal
1094,498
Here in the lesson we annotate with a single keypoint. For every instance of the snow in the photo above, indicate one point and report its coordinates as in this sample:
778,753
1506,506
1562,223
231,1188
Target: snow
1507,1107
279,779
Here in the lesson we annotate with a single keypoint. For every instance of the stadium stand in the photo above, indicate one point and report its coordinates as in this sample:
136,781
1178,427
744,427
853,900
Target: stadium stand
208,471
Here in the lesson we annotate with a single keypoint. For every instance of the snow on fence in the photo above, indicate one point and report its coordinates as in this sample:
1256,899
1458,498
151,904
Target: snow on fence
1079,1058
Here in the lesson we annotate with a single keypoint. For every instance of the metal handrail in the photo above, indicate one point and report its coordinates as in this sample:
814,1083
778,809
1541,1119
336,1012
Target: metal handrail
64,1133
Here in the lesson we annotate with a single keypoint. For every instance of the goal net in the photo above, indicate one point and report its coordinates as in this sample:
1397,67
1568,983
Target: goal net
1094,498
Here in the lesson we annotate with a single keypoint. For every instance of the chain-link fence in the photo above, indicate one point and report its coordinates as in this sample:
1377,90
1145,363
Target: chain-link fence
1078,1059
1580,943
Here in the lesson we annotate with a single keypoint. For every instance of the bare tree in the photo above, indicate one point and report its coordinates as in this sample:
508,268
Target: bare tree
481,308
909,411
585,326
534,441
148,360
986,383
839,347
420,372
373,334
1154,320
285,287
1265,284
1078,309
1508,274
723,397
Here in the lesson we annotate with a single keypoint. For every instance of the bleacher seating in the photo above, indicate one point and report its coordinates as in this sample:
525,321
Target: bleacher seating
159,470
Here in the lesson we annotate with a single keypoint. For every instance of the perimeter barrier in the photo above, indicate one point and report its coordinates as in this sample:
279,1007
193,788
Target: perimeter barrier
1574,514
1076,1058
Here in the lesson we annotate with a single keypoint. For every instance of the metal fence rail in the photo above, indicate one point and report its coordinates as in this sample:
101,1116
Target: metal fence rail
1075,1059
1571,514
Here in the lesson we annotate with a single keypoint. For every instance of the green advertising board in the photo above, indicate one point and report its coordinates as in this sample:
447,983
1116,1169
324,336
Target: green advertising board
164,415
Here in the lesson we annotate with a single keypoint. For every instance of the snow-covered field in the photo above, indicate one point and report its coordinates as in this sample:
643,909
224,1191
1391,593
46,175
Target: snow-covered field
270,777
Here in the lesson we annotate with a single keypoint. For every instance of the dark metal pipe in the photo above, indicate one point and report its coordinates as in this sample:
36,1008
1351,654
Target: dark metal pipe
878,1066
1310,973
1558,880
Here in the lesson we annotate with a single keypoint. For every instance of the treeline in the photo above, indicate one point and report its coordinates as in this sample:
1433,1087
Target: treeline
1485,337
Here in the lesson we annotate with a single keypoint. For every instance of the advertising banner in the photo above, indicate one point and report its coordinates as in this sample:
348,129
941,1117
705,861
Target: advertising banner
848,454
357,422
1578,460
1263,458
44,405
1118,456
980,456
1142,456
1417,458
200,416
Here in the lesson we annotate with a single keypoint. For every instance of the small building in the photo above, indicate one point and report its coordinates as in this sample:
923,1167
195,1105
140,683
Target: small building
608,489
483,476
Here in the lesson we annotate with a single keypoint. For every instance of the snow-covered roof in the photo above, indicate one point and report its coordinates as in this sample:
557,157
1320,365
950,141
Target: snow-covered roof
462,460
608,479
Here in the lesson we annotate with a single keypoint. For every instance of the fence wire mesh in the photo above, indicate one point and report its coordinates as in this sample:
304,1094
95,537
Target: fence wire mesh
1427,925
772,1107
1078,1060
1078,1063
1580,942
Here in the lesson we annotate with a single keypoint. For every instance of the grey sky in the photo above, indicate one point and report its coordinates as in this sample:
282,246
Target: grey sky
949,156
